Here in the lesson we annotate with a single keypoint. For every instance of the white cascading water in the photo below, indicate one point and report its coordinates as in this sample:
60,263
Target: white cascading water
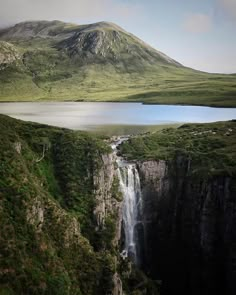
131,190
132,205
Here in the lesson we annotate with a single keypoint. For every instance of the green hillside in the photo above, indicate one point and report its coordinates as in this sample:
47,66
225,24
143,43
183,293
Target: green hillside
41,241
99,62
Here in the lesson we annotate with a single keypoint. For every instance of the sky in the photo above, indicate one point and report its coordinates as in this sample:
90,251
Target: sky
200,34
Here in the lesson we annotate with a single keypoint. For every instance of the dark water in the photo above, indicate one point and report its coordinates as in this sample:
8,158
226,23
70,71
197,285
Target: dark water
88,115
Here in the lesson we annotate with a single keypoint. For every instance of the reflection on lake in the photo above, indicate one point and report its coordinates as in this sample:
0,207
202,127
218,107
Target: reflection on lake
89,115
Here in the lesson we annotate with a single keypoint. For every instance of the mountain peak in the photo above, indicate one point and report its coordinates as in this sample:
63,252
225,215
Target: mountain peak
101,42
51,29
105,25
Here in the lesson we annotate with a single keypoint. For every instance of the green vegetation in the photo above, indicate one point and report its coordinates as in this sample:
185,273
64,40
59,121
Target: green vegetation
46,195
92,66
115,191
105,235
210,148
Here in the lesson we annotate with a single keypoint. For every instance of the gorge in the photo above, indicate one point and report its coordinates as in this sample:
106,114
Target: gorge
61,218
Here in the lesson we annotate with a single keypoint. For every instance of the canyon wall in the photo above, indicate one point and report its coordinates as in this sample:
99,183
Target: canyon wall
190,234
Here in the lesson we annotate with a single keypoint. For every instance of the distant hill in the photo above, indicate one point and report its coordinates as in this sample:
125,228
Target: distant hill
54,60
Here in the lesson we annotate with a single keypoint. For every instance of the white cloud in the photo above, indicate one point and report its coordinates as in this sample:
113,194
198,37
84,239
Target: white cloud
229,6
13,11
198,23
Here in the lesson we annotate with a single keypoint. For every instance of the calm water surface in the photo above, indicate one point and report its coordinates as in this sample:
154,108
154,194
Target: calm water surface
88,115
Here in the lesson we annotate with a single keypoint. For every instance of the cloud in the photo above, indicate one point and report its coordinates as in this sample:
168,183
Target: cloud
13,11
229,7
198,23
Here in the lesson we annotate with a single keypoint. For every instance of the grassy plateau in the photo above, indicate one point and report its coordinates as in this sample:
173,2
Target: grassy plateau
210,147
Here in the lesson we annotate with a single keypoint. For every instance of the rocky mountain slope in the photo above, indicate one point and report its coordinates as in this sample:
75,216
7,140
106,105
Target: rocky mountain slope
8,54
101,61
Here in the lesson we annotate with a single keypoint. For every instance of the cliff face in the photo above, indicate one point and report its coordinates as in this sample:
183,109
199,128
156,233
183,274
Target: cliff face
108,210
189,228
108,203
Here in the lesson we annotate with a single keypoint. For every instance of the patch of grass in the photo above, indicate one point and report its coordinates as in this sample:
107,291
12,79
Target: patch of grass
111,130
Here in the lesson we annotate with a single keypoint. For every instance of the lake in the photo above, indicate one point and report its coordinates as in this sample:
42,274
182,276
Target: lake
90,115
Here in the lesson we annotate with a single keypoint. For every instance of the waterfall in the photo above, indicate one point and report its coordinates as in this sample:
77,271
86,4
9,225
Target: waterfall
132,208
132,224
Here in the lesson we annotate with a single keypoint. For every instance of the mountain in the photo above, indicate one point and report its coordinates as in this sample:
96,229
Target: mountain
100,42
101,61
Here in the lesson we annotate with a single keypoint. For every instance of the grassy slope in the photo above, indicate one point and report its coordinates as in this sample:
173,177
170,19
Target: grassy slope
56,259
47,74
210,147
